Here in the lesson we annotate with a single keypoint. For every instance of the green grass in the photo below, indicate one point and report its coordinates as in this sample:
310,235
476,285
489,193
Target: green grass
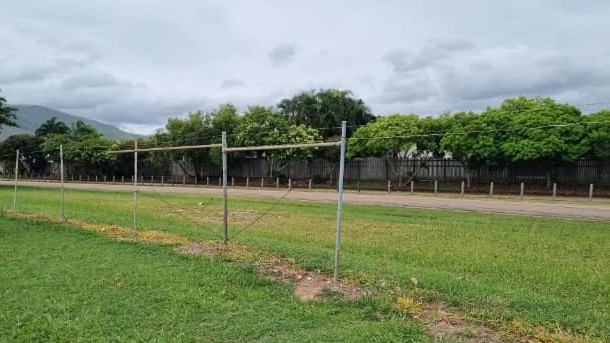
68,285
502,270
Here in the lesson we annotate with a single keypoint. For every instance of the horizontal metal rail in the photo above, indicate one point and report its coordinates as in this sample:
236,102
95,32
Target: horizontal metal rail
245,148
283,146
184,147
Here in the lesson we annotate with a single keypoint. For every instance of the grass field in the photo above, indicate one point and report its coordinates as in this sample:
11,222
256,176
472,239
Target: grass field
540,277
66,285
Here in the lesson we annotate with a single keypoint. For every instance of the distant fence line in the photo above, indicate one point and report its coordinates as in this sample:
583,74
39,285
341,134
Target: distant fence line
399,171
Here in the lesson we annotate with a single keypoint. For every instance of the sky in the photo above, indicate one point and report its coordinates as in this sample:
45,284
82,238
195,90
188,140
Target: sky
136,63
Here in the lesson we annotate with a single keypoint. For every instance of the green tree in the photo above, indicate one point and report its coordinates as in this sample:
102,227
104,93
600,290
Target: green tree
85,150
544,131
54,134
194,130
265,126
90,154
598,134
393,137
50,145
325,109
226,119
31,158
476,139
52,127
597,131
431,133
7,114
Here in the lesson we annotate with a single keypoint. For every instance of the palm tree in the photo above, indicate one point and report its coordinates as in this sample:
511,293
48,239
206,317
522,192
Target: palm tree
52,127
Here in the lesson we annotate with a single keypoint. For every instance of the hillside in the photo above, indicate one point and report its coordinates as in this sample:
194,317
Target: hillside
30,117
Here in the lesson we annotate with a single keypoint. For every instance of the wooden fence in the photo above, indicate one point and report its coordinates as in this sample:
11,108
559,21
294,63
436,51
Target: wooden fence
403,170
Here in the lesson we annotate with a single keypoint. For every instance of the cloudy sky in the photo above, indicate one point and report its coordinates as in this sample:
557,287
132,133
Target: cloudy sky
135,63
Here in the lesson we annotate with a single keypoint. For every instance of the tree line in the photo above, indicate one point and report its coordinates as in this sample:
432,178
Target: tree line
519,129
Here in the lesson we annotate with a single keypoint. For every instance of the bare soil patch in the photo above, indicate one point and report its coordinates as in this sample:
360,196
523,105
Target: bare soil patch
309,285
441,322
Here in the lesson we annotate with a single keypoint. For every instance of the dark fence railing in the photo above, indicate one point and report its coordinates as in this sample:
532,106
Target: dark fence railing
367,171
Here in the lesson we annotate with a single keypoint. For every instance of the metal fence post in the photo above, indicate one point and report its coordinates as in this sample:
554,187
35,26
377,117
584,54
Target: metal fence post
62,176
16,180
225,208
135,186
522,191
340,201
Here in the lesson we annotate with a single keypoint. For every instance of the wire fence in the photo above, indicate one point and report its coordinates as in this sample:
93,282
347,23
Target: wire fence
223,181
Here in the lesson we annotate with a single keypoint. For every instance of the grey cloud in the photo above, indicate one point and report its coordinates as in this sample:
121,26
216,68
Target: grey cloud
534,76
232,83
17,72
80,99
282,54
403,61
485,77
31,74
399,59
94,80
140,111
407,89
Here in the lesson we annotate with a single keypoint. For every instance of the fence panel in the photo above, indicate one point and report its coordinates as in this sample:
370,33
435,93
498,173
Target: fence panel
445,170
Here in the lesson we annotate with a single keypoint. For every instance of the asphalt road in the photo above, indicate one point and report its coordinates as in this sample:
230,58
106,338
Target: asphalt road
528,207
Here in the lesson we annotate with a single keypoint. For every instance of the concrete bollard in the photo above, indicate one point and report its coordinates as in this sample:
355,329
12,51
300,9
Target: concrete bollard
522,191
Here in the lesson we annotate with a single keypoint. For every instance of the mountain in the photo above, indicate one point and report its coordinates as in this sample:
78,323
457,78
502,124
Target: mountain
30,117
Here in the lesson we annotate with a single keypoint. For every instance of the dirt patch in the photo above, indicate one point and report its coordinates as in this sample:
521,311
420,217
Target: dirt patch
442,323
309,285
